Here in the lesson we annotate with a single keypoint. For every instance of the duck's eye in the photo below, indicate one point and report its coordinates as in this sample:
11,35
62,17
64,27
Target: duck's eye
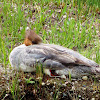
34,42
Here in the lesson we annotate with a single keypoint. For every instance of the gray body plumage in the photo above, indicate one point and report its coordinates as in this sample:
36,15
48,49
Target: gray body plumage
53,57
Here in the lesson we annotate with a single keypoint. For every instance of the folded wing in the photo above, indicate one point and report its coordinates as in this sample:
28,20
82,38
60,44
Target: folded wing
53,57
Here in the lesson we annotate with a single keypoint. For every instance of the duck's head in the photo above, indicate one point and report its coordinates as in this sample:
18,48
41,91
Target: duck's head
31,38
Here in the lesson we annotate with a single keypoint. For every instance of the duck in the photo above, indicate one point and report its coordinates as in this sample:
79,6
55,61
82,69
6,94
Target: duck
54,58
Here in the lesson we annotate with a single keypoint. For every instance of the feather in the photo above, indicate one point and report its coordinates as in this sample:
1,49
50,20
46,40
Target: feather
52,57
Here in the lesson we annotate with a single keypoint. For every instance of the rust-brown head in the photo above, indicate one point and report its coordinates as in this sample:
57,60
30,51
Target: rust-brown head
31,38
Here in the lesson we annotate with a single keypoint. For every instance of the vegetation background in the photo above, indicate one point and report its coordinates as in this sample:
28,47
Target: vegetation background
73,24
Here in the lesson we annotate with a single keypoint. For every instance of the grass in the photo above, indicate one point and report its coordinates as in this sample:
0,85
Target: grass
14,87
70,23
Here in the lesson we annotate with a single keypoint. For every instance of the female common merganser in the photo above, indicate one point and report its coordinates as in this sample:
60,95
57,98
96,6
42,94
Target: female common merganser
53,57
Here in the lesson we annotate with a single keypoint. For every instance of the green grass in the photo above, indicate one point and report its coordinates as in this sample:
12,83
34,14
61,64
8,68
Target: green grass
71,24
14,87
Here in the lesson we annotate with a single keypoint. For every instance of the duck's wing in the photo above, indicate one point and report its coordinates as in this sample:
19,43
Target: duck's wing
78,58
50,56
